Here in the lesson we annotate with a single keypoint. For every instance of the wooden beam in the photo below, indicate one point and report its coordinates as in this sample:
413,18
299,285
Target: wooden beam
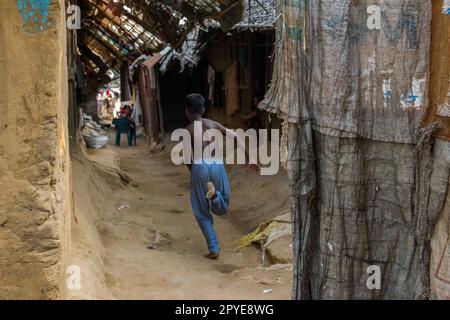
116,46
93,57
112,49
151,29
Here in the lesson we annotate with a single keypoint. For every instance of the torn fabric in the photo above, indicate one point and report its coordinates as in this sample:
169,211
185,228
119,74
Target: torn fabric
351,79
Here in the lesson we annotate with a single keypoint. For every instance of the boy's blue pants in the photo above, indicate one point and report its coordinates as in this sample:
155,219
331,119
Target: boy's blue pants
201,174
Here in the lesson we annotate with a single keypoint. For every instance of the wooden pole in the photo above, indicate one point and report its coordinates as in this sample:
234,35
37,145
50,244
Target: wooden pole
147,96
144,99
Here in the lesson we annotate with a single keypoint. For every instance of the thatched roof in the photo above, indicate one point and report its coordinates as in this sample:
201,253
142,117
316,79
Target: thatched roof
117,30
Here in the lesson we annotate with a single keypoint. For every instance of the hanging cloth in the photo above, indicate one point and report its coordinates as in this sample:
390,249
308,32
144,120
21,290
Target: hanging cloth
232,88
211,79
125,91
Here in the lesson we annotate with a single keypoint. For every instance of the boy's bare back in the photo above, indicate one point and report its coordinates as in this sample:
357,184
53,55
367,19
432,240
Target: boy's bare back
206,125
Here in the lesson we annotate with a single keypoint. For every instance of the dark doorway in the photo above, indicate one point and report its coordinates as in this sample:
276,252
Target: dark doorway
174,87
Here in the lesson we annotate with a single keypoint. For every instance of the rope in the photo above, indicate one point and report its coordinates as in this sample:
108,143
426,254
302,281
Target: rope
283,144
424,168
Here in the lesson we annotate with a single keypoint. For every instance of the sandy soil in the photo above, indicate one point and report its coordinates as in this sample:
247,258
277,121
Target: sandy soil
153,248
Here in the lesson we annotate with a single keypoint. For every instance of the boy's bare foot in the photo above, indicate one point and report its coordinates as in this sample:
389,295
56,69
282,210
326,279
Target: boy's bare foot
212,256
211,191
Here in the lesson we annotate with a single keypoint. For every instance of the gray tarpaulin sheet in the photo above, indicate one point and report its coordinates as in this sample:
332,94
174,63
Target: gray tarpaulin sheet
351,79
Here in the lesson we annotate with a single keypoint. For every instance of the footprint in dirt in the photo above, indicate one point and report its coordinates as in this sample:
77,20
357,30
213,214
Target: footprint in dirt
155,239
172,174
226,268
184,185
175,211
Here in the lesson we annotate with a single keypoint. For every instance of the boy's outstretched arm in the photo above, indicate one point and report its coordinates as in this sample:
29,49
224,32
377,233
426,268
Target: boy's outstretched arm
252,164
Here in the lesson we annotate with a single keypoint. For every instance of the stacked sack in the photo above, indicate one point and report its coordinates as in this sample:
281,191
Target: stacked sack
93,134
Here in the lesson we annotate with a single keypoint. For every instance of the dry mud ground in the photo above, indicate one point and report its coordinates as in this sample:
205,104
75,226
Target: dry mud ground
152,248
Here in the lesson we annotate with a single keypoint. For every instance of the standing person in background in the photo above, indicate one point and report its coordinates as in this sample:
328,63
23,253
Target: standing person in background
253,119
132,124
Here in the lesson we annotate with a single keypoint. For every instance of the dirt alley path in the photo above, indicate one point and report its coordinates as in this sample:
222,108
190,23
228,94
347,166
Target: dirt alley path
154,248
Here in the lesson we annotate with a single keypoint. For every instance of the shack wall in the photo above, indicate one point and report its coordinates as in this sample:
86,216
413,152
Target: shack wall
251,51
368,183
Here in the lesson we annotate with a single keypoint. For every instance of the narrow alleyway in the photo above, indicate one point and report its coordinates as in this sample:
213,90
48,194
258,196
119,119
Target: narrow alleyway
153,245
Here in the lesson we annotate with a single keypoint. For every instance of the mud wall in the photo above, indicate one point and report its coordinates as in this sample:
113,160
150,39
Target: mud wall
91,181
34,160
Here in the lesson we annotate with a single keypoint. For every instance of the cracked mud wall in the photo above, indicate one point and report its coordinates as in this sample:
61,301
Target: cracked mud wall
34,159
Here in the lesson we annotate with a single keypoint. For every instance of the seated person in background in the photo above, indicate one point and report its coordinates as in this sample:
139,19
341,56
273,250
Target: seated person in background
122,125
123,111
253,119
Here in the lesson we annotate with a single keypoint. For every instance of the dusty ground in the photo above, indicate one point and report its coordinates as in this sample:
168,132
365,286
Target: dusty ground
153,249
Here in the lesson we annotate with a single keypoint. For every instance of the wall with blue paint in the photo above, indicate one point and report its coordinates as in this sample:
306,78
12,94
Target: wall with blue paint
34,161
446,7
34,14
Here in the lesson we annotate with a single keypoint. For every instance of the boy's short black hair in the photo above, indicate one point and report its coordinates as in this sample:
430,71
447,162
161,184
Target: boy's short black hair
195,103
